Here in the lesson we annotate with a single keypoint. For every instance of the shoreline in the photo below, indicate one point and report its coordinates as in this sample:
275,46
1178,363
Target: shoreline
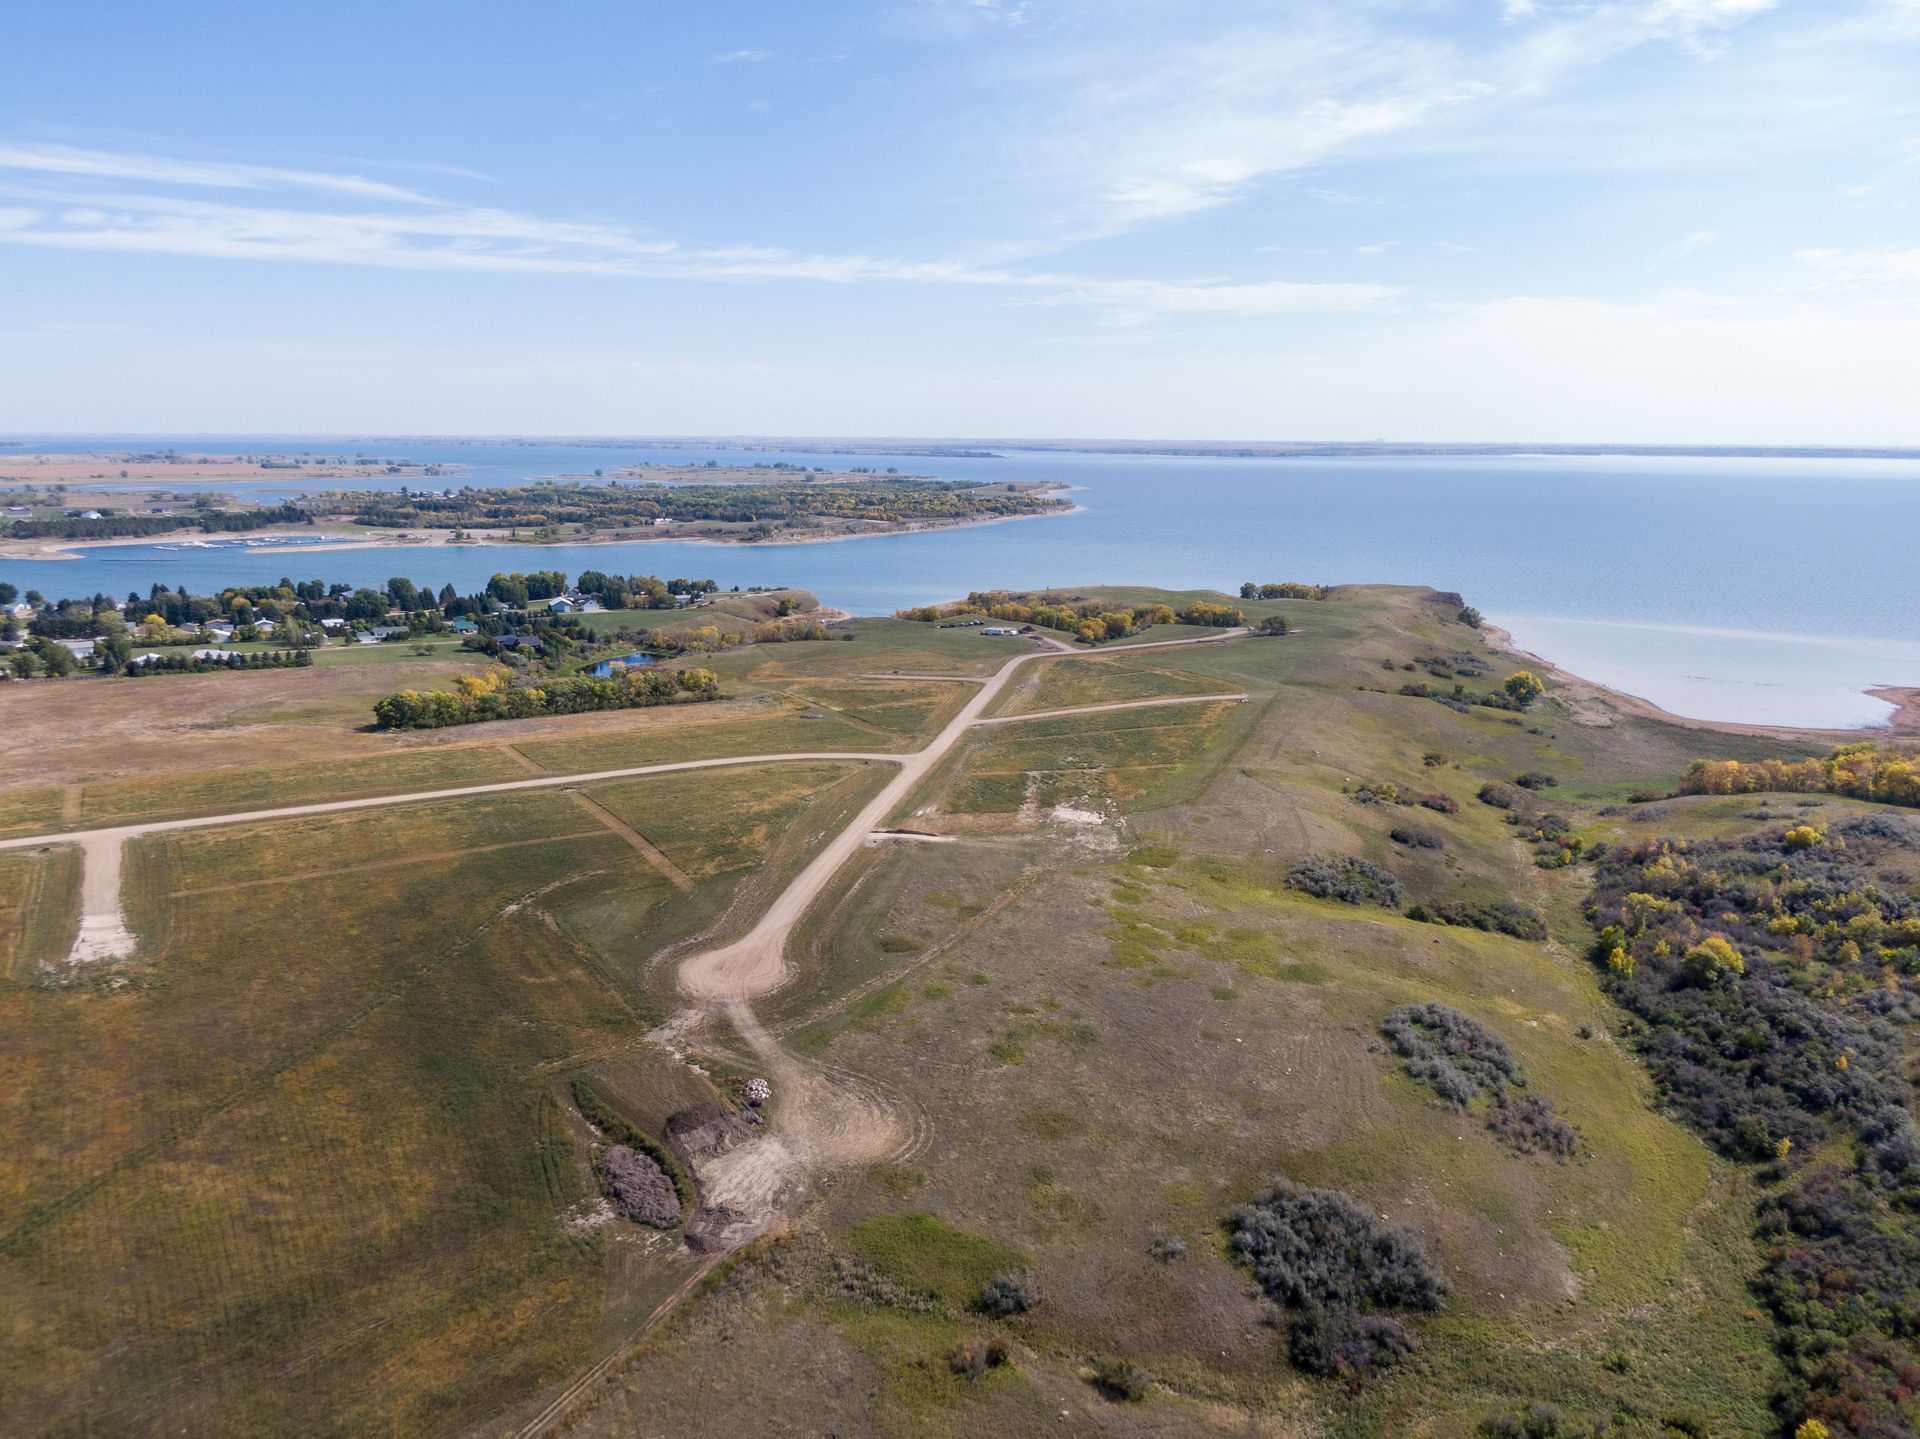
334,539
1588,700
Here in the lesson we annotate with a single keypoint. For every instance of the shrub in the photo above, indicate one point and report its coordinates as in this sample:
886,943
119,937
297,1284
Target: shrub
1122,1380
970,1358
1317,1249
1441,803
1167,1248
1496,916
1528,1125
1452,1053
1500,796
1342,1343
1536,1421
1008,1293
1346,878
1802,836
1536,779
1415,838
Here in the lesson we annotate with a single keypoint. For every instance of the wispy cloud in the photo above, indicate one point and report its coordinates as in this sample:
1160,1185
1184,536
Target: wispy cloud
215,174
742,57
416,231
1176,115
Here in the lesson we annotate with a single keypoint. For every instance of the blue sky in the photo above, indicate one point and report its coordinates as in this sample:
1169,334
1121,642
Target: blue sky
1651,220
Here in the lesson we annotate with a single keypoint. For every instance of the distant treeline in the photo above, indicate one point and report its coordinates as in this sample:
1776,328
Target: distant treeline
790,503
494,695
115,527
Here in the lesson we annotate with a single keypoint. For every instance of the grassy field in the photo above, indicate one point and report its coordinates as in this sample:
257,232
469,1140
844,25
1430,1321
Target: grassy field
316,1133
309,1163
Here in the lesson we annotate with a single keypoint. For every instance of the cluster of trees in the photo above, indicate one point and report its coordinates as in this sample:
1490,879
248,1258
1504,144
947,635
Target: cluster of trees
640,592
1462,1061
1286,590
495,695
1517,693
112,526
1339,1271
1860,771
1088,620
1772,985
796,503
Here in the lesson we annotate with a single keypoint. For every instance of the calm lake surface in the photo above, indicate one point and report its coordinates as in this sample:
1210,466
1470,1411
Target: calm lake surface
1769,590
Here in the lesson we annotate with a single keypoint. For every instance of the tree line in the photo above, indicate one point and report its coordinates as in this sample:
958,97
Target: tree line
496,695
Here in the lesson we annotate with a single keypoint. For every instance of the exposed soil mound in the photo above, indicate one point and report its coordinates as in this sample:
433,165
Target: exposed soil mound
714,1229
705,1132
639,1188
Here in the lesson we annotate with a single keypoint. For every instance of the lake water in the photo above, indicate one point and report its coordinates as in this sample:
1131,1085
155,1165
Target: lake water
1772,590
606,668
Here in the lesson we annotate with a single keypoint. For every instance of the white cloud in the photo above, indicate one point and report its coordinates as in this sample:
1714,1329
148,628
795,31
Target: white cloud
742,57
1861,269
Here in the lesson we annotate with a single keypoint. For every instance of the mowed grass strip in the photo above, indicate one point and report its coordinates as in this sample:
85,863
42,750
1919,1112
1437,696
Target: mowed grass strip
39,909
31,811
240,788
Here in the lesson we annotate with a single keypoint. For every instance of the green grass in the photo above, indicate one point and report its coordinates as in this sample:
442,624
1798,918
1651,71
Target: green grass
920,1251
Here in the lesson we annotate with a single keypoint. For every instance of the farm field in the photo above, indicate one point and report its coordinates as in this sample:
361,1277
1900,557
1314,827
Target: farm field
323,1154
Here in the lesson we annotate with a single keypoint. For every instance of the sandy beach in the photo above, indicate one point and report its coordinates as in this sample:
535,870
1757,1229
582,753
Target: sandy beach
1592,703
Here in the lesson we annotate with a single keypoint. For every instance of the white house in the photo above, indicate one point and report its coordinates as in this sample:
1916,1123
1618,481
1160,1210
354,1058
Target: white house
21,611
334,623
265,627
80,649
219,630
561,605
216,654
998,630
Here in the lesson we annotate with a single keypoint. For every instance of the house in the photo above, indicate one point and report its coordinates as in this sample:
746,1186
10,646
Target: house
561,605
998,630
146,659
519,642
387,632
334,623
24,512
219,630
80,649
21,611
464,626
265,627
216,654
